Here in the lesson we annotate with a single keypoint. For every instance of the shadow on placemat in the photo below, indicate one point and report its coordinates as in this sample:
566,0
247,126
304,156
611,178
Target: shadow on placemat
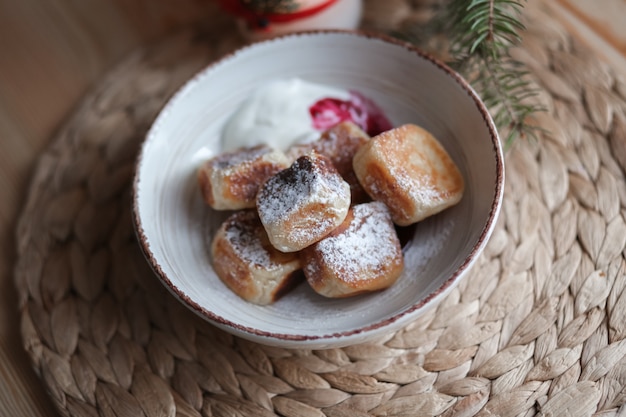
538,326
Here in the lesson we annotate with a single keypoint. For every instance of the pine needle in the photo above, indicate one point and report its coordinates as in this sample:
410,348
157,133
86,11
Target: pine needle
480,34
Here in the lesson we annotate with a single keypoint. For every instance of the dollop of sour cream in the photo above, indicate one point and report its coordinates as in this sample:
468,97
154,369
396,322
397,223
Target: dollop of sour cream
277,114
286,112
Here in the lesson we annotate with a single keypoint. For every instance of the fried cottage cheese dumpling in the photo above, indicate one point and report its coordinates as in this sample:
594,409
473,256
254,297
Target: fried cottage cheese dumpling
230,181
409,170
245,260
339,144
362,255
303,203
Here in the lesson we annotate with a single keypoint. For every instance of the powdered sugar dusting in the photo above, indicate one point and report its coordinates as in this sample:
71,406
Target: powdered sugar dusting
340,143
420,188
420,179
246,235
303,203
286,192
414,177
240,156
368,244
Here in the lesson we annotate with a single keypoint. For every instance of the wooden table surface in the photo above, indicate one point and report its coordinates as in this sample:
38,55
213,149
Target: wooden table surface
53,51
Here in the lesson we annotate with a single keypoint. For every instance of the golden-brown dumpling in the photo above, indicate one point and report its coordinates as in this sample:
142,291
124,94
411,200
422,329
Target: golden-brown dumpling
410,171
362,255
339,144
230,181
245,260
303,203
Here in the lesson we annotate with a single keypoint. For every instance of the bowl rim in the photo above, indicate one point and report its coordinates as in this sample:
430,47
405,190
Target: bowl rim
255,333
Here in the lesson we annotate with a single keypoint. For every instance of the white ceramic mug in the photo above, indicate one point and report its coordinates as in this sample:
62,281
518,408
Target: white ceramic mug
261,22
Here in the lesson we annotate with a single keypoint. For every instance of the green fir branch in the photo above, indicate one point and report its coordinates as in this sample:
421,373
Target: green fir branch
480,34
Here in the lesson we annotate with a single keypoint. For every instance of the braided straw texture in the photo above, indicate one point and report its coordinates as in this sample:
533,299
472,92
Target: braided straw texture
538,328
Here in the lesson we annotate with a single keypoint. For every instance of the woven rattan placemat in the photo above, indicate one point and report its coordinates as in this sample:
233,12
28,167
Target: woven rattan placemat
538,327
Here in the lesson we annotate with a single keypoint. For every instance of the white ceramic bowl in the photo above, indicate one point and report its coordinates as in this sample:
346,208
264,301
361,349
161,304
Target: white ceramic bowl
174,226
